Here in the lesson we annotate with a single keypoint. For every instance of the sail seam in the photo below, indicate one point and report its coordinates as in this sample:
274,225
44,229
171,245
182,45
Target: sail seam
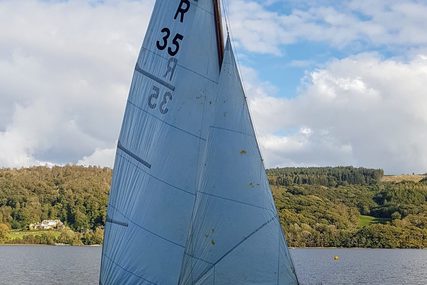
158,179
180,65
198,258
134,156
127,270
166,123
236,201
203,9
155,78
233,248
231,130
145,229
112,221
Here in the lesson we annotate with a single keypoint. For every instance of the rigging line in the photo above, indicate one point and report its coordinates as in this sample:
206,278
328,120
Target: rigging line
225,8
234,247
127,270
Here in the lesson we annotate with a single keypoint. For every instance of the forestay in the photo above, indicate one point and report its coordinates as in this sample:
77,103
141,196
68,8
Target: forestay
235,235
159,150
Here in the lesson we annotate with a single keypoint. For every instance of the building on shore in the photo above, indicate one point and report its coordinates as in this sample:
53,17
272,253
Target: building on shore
47,225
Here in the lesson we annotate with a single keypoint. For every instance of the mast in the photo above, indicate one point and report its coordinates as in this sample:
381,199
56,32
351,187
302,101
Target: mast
219,30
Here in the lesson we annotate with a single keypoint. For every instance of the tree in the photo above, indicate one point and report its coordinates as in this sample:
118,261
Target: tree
396,216
4,232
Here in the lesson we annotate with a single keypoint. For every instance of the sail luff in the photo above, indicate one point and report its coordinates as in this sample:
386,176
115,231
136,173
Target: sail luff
281,232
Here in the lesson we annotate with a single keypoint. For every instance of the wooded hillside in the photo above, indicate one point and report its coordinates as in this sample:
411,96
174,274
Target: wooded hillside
340,206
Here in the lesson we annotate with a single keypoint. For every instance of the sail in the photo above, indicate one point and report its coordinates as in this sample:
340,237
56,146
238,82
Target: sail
235,235
163,135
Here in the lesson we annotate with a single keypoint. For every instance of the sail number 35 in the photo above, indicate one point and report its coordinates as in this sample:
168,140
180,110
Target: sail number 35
167,96
174,46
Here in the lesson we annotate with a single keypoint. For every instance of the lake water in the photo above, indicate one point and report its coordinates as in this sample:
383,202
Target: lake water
361,266
45,265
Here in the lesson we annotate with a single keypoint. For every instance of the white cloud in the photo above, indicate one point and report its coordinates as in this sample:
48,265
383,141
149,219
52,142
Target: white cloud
100,157
349,25
66,66
65,70
361,110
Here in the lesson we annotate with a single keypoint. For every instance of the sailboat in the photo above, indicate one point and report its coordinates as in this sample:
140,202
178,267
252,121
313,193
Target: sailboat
189,201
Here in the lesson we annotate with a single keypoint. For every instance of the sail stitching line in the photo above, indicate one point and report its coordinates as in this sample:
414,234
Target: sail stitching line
154,77
145,229
131,154
166,123
127,270
233,248
113,221
180,189
236,201
198,258
203,9
230,130
180,65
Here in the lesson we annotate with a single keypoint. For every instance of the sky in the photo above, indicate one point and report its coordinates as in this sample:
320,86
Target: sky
329,83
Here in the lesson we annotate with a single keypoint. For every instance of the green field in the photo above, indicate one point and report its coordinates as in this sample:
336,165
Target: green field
369,220
400,178
20,234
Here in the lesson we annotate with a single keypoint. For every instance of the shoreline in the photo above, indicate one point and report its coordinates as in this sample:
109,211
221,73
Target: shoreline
53,245
292,248
350,248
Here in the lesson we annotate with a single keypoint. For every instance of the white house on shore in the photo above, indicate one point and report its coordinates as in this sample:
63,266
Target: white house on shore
47,225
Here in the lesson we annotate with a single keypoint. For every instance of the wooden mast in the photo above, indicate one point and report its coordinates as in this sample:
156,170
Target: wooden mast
219,30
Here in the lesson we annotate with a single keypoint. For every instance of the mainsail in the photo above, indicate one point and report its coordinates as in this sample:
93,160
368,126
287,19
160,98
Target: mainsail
189,201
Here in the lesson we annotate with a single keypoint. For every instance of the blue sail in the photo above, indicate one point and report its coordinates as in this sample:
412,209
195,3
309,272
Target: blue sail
190,201
235,235
158,158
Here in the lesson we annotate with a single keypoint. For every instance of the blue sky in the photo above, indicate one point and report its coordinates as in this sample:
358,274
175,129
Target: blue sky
299,56
328,82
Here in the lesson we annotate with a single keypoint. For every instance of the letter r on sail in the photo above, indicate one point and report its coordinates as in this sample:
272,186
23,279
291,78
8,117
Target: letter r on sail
172,63
183,8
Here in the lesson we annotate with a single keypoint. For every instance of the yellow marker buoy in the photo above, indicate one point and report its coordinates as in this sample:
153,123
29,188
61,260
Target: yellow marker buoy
336,257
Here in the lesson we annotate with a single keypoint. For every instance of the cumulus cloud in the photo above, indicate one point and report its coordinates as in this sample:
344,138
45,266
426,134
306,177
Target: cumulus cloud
352,25
65,70
66,66
362,110
100,157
